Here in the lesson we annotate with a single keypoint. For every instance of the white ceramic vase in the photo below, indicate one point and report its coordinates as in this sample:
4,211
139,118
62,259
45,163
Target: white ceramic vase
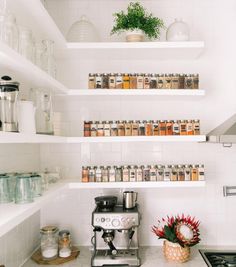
134,35
178,31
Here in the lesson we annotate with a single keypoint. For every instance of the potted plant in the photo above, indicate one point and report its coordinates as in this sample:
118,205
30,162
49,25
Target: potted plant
180,233
136,23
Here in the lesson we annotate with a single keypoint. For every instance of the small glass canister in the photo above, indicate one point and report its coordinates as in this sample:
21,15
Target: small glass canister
64,244
49,242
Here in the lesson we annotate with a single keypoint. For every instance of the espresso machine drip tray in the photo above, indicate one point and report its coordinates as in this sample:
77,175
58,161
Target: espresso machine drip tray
122,258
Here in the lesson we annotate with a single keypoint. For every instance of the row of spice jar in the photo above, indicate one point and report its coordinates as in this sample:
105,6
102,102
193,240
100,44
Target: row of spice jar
142,81
143,173
141,128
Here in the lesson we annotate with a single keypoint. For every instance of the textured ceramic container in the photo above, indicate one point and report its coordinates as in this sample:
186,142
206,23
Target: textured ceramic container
134,36
175,253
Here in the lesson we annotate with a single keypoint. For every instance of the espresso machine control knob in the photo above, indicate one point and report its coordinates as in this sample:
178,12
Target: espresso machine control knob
115,223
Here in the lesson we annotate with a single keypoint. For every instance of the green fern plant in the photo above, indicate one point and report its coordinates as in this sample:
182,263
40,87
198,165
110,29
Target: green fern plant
137,18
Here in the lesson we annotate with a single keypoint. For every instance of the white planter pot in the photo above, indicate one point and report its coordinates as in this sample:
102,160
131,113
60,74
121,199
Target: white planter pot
134,36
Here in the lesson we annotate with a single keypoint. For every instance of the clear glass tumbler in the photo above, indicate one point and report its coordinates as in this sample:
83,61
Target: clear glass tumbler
36,185
26,43
49,59
23,190
5,192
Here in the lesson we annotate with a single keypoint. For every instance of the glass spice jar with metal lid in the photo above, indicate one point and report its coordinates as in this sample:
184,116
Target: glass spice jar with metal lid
153,173
201,172
161,81
93,128
162,127
114,128
133,81
49,242
153,81
92,172
160,172
65,247
181,176
169,127
188,81
194,173
105,177
146,173
146,82
121,128
140,81
183,127
190,127
125,173
139,173
85,174
141,130
128,129
132,173
107,128
174,173
87,128
118,170
126,81
167,172
148,128
168,79
187,174
181,81
195,81
112,81
98,174
112,174
155,128
135,128
119,81
176,127
175,81
100,128
196,127
105,81
91,81
98,81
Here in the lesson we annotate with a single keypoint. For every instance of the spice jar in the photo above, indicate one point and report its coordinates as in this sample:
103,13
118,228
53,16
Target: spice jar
98,174
162,128
153,81
135,128
93,129
195,81
140,81
132,173
100,129
87,125
114,129
176,128
160,172
153,173
112,174
175,81
107,129
126,81
194,173
105,81
183,127
49,242
125,173
128,130
188,82
190,127
64,244
121,128
98,81
196,127
187,174
201,173
146,82
181,81
85,175
105,177
155,128
112,81
174,174
146,173
161,81
91,81
118,170
181,173
167,172
92,172
169,127
141,129
139,174
133,81
148,128
168,79
119,81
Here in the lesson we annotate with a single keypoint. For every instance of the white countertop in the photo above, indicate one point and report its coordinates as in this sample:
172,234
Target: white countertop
150,257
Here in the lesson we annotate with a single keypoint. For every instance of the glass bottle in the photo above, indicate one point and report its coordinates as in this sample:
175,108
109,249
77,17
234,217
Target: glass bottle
100,129
112,81
119,81
176,128
190,127
121,128
105,81
168,79
196,127
167,172
91,81
98,81
201,173
125,173
146,83
160,83
118,170
126,81
105,174
175,81
140,81
187,173
26,43
194,173
141,130
133,81
155,128
87,128
50,63
148,128
162,127
195,81
107,128
114,129
128,130
98,175
181,176
153,81
132,173
92,172
39,54
169,127
49,242
183,127
93,128
146,173
174,174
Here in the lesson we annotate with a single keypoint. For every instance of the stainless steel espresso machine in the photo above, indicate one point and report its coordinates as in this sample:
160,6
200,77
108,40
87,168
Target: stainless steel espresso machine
115,237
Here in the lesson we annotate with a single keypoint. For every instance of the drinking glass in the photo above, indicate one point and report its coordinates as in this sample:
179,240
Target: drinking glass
36,185
5,193
49,60
26,43
23,190
40,54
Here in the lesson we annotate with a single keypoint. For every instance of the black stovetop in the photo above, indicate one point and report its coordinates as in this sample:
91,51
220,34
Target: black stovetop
219,258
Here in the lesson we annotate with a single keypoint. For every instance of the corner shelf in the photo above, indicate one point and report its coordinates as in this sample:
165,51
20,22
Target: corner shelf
161,184
136,92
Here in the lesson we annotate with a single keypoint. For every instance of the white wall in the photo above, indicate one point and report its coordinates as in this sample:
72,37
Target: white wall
211,21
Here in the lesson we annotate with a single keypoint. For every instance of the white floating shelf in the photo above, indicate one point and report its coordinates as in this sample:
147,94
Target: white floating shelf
20,138
135,92
19,64
161,184
154,50
127,139
13,214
